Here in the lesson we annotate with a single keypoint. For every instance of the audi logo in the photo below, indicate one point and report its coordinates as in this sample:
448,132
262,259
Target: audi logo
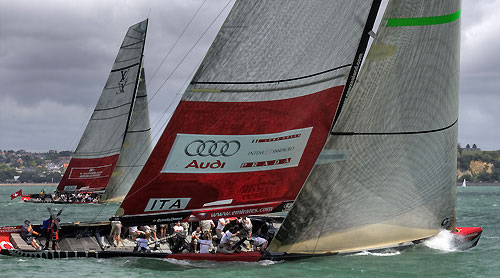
212,148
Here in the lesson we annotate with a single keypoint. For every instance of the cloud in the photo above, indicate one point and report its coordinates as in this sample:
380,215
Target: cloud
56,55
42,126
480,75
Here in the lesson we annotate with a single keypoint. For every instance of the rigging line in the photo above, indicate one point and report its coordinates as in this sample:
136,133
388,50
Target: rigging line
271,81
395,133
191,49
178,39
179,92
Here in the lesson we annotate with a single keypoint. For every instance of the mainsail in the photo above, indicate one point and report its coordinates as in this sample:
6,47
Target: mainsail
256,115
136,148
387,173
97,153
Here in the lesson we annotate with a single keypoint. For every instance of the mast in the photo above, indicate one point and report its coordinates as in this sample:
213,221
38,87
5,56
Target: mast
393,180
97,152
139,72
358,58
256,115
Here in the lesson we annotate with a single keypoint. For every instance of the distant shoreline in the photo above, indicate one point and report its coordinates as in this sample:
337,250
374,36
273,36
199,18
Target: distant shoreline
28,184
481,184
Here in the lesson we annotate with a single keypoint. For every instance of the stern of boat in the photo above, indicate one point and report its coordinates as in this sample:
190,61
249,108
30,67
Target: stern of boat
5,236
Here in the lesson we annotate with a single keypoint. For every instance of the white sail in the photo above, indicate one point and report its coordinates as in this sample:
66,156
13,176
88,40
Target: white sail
464,183
387,173
97,152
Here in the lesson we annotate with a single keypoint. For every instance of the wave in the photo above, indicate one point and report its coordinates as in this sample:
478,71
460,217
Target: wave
444,241
387,253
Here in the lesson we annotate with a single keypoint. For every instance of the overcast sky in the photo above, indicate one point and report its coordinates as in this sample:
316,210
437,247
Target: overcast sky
55,57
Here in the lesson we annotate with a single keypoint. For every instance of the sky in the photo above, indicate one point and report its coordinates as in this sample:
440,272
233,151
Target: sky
55,57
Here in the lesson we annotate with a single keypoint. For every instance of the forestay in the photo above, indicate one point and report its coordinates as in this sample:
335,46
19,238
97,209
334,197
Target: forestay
97,153
256,115
387,173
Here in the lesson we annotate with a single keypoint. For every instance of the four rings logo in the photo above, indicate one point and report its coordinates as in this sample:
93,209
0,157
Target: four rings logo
212,148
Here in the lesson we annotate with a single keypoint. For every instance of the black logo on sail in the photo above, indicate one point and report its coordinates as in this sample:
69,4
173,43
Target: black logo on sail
123,80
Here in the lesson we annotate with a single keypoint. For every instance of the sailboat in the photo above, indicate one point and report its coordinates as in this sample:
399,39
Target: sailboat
464,183
277,119
117,140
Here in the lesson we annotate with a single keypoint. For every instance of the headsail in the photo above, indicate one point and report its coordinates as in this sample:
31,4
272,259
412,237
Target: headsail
256,115
97,153
135,149
387,173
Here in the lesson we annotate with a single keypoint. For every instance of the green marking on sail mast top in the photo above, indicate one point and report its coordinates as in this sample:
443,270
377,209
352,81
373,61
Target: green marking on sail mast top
419,21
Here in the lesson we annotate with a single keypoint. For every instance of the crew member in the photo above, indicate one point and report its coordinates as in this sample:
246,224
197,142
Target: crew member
27,233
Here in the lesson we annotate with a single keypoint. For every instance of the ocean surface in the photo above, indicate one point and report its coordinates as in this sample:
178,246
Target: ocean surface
476,206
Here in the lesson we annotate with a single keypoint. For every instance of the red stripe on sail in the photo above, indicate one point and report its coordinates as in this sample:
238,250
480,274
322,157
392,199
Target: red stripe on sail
236,118
93,173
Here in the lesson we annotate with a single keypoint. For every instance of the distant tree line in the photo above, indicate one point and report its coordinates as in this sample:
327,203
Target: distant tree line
466,155
31,167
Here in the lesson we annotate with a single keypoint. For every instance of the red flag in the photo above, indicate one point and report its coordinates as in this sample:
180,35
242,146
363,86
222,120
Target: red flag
17,194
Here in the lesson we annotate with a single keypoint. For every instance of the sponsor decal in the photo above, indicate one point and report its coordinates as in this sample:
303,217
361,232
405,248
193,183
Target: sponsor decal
201,153
82,173
241,212
168,220
6,245
10,229
123,80
70,188
162,204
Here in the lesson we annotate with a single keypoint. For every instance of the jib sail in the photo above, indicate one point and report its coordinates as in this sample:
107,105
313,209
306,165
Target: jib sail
387,173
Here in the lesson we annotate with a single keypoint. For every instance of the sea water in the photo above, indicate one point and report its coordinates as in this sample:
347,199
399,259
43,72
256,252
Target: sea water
476,206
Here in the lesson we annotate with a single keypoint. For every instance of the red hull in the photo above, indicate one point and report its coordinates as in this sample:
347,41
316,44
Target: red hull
5,236
238,257
468,236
